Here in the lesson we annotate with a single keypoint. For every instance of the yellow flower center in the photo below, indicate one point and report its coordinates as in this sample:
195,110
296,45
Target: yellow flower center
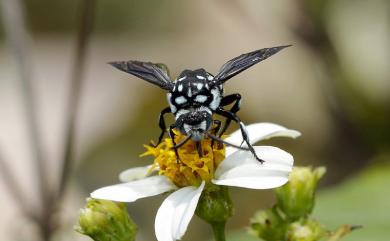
191,169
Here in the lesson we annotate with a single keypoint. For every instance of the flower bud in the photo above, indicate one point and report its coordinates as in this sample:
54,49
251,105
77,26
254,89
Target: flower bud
296,198
268,225
104,220
310,230
215,205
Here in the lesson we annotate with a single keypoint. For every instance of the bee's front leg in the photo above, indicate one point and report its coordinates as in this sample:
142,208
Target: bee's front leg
199,149
162,125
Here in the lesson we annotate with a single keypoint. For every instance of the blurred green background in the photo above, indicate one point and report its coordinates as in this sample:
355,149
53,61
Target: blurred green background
333,85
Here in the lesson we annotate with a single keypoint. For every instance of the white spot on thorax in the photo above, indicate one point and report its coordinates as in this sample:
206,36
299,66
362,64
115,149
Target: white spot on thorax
200,77
189,93
182,78
180,100
209,77
216,98
199,86
173,107
201,98
180,88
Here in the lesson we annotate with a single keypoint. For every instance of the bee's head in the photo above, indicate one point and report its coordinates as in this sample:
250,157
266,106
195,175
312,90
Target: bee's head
194,123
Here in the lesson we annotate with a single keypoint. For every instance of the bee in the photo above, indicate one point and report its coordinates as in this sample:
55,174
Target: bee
196,96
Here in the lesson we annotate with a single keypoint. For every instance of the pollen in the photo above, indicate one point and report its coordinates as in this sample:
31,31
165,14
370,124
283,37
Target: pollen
189,169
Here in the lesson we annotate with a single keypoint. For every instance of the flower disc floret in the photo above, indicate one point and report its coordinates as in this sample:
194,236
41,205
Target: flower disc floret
191,169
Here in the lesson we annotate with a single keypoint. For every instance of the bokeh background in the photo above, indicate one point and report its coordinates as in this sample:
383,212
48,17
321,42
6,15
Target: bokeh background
333,85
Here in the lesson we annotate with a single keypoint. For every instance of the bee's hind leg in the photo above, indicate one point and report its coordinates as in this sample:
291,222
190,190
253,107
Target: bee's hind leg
244,133
227,100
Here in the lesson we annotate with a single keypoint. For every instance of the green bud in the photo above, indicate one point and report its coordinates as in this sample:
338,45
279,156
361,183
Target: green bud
104,220
215,207
309,230
215,204
268,225
296,198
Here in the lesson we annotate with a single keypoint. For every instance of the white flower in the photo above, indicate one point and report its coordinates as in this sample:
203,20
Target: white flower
239,169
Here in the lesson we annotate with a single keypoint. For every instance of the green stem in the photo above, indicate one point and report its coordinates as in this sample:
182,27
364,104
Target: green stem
342,231
218,230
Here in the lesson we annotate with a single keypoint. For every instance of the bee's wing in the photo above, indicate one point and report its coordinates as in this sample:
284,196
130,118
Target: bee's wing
156,74
244,61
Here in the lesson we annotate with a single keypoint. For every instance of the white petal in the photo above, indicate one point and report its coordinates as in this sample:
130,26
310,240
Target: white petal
131,191
269,154
176,212
241,169
135,173
258,132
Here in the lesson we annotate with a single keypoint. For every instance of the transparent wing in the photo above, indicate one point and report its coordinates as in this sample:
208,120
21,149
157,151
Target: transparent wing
156,74
243,62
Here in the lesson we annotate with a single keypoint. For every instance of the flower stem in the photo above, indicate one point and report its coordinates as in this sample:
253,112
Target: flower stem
342,231
215,207
218,230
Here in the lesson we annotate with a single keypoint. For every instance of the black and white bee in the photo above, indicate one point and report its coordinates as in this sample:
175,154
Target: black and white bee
196,95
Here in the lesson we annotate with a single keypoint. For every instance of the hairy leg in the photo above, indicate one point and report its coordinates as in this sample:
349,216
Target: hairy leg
227,100
161,123
232,116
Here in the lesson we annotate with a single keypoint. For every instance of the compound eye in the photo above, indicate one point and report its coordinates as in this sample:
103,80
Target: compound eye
180,100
